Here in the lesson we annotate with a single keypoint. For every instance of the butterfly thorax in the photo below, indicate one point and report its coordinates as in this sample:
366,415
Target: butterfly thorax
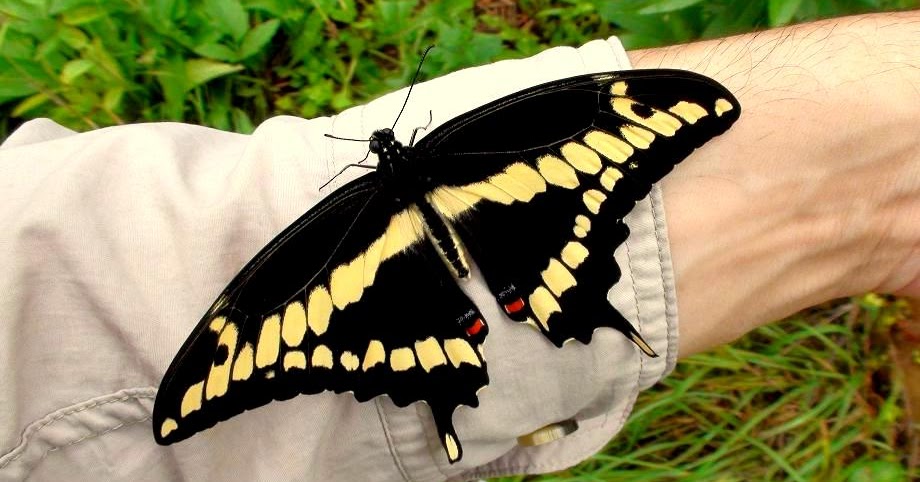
392,155
396,167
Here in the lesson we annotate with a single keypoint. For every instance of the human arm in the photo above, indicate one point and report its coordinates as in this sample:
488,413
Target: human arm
815,193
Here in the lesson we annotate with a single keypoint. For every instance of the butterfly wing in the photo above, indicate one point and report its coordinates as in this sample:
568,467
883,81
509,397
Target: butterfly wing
537,185
304,316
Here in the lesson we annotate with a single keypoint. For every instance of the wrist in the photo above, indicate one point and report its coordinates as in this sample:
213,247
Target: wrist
809,196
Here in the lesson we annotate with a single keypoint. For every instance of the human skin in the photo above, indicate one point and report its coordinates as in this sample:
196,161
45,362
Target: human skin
814,194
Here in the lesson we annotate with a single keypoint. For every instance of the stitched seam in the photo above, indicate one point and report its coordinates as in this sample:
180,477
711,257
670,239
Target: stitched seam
634,393
662,242
24,440
84,438
391,445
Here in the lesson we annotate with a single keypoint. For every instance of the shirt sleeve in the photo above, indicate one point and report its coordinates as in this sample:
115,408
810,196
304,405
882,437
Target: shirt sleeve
115,241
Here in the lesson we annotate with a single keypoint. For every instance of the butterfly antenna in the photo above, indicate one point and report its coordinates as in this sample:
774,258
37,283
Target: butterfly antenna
346,138
346,168
417,71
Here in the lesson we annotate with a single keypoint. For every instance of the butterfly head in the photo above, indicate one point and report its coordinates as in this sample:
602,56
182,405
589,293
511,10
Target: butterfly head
389,151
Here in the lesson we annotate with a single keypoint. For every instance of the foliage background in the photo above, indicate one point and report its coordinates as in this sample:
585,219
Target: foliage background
812,398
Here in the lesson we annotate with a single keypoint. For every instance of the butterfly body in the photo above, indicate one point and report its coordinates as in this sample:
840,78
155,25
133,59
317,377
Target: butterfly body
360,294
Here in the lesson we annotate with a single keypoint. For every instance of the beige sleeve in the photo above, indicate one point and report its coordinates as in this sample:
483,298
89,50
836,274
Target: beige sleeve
114,242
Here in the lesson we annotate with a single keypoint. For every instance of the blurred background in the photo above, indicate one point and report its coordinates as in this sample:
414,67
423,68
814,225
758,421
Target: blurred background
823,396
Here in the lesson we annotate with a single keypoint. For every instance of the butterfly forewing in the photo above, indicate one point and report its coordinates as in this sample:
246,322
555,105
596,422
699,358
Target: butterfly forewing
540,208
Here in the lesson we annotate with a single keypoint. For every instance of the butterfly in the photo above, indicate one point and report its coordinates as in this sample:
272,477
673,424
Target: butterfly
361,295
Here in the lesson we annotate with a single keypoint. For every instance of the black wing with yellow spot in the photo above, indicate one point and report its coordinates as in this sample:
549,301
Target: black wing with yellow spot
359,295
538,184
314,311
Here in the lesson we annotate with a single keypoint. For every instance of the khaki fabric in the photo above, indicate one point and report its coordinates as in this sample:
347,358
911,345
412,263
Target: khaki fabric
115,241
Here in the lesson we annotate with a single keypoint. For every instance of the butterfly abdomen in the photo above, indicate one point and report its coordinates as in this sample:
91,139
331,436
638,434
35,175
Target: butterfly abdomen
445,240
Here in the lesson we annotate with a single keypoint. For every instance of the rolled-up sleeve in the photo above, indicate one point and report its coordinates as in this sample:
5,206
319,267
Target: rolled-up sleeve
115,241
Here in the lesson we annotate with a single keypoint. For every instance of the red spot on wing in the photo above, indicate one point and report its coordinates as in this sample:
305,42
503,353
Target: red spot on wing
514,306
475,327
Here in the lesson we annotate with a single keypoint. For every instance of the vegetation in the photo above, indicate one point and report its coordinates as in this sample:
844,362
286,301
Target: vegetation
812,398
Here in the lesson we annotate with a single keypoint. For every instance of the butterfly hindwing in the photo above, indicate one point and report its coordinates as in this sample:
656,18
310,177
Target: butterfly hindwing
304,316
542,222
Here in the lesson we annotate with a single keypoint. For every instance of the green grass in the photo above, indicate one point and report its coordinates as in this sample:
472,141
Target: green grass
811,398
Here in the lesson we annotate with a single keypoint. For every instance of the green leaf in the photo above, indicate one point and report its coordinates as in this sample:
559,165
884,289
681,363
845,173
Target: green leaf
217,52
172,76
781,12
29,104
199,71
230,17
664,6
877,471
73,37
241,121
14,87
112,98
258,37
85,14
75,69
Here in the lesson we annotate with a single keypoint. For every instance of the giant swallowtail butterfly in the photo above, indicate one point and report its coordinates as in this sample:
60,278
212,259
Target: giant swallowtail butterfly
360,294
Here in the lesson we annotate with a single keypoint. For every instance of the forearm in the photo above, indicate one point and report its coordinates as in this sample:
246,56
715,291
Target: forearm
815,193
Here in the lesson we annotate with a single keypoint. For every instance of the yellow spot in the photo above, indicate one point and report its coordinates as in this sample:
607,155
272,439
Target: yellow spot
191,401
660,122
429,353
489,192
618,88
610,177
269,341
453,452
581,158
349,360
295,359
269,374
402,359
688,111
573,254
319,309
375,354
217,324
723,106
371,261
583,221
167,427
219,376
557,277
579,231
294,325
347,283
557,172
637,136
593,200
459,351
322,357
520,181
242,367
543,305
611,147
453,202
404,230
